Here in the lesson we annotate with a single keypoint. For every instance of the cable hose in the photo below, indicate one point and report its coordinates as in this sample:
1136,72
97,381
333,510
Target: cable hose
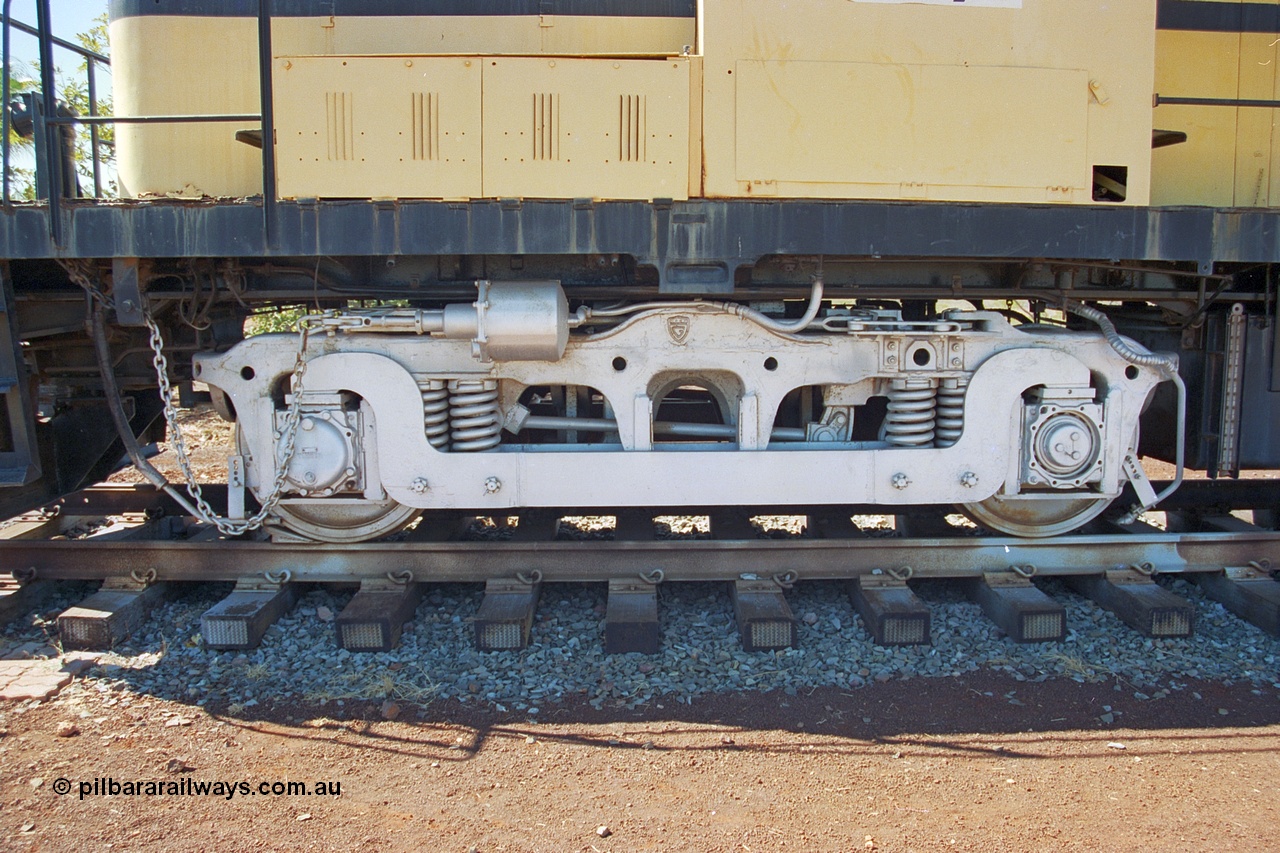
1168,366
786,327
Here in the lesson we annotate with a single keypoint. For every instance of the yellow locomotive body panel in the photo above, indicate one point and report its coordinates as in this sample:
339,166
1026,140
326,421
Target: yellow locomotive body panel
159,70
1014,102
1230,158
483,127
1027,101
337,135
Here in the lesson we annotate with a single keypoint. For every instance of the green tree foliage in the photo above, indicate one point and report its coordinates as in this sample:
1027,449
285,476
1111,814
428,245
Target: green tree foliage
73,89
273,320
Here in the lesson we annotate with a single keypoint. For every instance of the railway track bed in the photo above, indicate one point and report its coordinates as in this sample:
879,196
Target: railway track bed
520,616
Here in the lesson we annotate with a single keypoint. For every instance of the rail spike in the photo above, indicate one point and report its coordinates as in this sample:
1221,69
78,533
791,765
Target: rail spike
144,577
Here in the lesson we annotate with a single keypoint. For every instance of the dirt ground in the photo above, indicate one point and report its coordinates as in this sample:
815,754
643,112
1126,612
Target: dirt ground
980,763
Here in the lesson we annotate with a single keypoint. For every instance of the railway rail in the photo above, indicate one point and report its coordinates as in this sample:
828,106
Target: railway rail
197,557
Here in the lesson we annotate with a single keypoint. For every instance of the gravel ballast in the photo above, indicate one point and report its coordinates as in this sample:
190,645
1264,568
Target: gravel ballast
700,654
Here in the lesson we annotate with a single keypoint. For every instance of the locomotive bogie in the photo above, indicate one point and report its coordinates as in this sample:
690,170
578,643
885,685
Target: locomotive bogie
1056,411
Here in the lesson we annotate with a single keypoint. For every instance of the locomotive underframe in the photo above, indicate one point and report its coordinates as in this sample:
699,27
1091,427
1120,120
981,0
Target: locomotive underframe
1181,270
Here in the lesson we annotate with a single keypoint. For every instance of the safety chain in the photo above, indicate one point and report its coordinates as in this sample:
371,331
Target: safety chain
80,275
76,272
293,417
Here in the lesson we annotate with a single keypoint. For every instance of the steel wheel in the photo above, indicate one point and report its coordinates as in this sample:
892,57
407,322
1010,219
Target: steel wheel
1034,518
346,521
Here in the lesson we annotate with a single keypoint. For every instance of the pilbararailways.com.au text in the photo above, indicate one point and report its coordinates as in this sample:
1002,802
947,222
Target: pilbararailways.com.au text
188,787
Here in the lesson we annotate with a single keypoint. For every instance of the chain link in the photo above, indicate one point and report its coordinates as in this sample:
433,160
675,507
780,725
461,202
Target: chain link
80,275
77,273
227,526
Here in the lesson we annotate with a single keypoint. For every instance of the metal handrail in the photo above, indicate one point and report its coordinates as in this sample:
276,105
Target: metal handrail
53,145
181,119
4,104
58,42
53,159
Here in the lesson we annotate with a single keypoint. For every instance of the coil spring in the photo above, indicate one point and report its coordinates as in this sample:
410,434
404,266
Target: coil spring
950,411
910,420
435,411
474,419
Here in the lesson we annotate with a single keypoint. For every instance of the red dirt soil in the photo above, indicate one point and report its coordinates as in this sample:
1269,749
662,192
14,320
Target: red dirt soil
925,764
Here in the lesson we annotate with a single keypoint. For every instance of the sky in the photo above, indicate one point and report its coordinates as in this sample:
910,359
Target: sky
68,18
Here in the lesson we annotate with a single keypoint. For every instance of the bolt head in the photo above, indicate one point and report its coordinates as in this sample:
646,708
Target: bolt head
492,485
968,479
901,481
418,486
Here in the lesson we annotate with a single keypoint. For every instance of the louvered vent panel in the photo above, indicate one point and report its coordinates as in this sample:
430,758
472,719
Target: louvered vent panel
426,125
340,125
546,126
632,121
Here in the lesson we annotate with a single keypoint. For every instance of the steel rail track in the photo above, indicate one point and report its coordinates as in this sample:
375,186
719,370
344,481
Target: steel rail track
679,560
1220,495
198,555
